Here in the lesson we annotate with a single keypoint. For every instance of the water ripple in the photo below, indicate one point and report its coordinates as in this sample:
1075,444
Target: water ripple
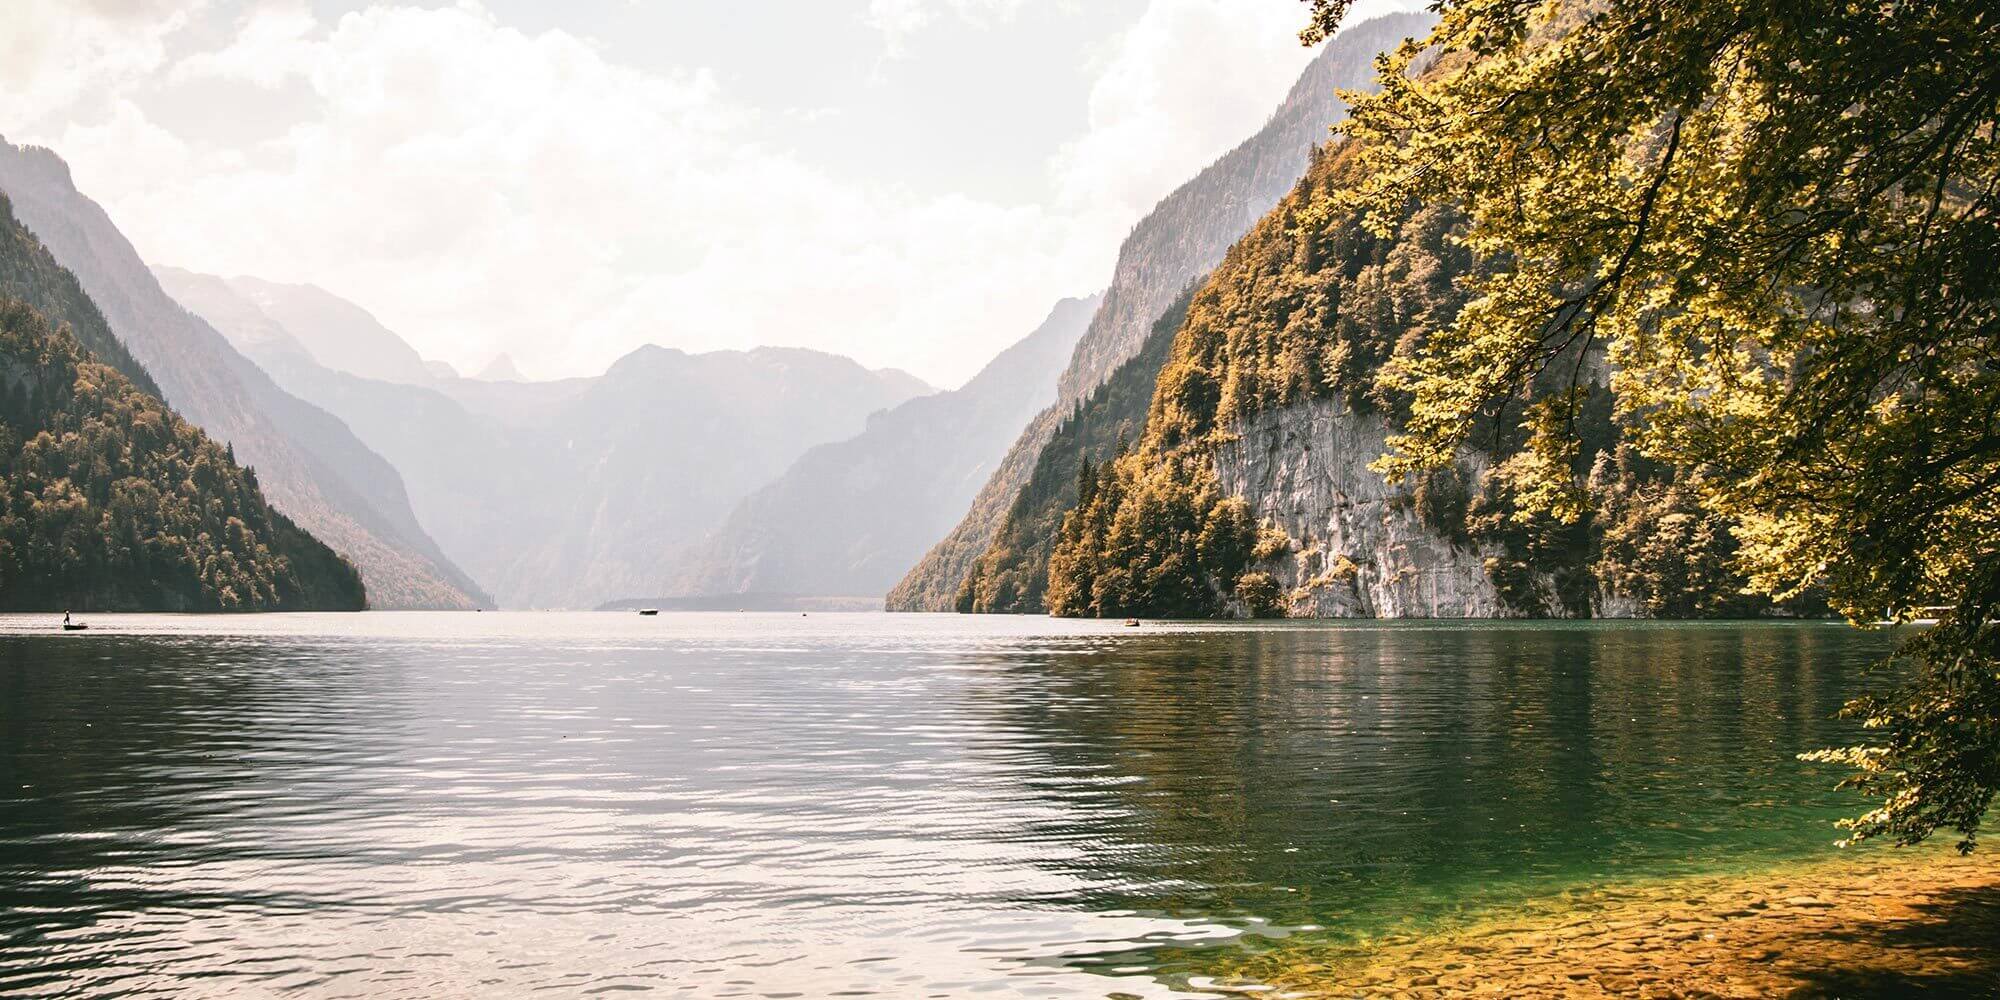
416,805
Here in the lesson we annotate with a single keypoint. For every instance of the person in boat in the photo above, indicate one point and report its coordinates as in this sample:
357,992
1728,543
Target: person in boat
65,617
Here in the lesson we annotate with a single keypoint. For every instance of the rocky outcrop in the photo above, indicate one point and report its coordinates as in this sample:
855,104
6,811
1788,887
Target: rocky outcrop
1359,548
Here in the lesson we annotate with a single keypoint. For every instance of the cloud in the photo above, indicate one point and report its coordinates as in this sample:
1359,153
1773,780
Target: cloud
1186,82
69,58
485,189
899,20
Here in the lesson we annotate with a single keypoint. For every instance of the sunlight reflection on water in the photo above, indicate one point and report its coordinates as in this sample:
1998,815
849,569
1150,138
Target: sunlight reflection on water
768,805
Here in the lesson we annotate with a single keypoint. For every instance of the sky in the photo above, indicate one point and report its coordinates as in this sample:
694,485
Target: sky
911,183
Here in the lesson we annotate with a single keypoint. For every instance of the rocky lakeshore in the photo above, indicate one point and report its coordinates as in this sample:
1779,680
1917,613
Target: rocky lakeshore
1880,923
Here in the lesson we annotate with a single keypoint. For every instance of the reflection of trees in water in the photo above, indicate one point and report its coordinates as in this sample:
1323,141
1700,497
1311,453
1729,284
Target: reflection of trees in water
1297,775
122,754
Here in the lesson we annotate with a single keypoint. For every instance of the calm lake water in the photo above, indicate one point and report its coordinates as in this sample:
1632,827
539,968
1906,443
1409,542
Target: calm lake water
415,805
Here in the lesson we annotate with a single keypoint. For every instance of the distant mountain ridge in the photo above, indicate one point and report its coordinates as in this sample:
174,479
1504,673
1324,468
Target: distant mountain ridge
1183,238
310,466
500,369
337,333
584,490
849,517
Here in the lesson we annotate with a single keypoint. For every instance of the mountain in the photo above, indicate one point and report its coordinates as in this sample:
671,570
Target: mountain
500,369
847,518
240,321
579,491
1250,491
109,501
1010,575
657,450
335,332
30,275
309,464
1183,238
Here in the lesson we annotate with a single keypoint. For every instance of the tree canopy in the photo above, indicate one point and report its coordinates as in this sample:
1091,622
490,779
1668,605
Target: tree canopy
110,501
1778,222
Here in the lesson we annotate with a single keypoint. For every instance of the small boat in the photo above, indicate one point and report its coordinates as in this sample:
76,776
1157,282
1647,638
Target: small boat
74,627
649,611
1131,623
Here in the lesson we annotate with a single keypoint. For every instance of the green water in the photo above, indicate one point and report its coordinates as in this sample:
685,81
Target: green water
770,805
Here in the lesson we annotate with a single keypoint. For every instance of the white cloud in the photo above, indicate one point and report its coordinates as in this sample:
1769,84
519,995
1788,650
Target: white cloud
1186,82
485,189
68,58
270,45
899,20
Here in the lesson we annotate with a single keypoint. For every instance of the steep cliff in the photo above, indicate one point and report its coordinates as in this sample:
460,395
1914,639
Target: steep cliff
1180,240
1359,547
849,517
1251,493
310,465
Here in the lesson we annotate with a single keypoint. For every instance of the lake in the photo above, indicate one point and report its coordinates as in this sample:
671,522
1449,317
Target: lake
770,805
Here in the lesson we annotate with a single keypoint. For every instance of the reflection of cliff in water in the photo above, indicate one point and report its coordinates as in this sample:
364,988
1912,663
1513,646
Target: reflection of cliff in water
1367,774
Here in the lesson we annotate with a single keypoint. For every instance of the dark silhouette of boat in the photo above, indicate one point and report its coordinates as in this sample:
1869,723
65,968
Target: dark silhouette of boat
649,611
76,627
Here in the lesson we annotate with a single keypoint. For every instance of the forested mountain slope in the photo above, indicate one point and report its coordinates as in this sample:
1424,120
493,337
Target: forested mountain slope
28,273
1250,491
1010,575
1180,240
310,465
848,518
112,502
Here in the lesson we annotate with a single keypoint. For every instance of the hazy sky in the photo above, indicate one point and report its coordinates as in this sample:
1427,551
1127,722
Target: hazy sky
909,182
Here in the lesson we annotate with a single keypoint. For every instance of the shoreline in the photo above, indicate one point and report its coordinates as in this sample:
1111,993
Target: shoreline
1877,923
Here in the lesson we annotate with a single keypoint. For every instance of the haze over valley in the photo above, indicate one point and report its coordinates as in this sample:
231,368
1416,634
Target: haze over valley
766,475
1151,499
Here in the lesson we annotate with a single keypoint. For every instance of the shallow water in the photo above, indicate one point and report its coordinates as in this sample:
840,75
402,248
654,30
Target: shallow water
725,805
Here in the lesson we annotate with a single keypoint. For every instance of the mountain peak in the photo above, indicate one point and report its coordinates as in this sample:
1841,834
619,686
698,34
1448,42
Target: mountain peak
341,334
500,369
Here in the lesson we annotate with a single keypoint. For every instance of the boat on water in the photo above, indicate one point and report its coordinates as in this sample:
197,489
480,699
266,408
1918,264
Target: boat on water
649,611
74,626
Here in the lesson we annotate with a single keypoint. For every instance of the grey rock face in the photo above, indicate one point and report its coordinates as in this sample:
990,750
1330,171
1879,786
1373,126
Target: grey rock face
1359,549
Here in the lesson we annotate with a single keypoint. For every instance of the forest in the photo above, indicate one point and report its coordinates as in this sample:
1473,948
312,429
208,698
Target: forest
114,503
1312,304
1011,573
